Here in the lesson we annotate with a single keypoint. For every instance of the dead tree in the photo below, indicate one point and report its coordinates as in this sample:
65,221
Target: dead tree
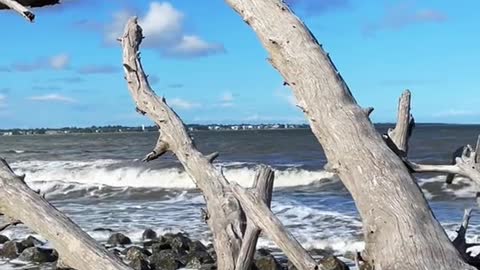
399,227
466,164
76,248
20,6
235,215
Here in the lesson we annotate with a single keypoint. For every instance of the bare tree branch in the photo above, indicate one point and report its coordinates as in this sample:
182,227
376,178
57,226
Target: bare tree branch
263,188
14,5
21,203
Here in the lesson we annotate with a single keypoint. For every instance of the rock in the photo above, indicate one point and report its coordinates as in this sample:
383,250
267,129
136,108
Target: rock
333,263
180,242
31,242
3,239
211,251
11,250
149,234
37,255
139,264
102,230
265,261
160,245
198,255
118,239
165,260
134,252
208,267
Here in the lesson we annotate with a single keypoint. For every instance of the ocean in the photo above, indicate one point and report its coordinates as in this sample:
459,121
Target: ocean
100,182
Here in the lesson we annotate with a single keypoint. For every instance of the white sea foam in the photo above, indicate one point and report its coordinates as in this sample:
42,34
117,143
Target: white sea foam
99,172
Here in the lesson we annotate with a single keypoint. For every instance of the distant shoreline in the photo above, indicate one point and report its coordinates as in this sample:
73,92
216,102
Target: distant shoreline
191,127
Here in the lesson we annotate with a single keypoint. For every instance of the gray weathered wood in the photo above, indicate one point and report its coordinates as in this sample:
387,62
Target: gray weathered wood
400,229
260,214
223,210
465,165
263,189
403,129
76,247
234,237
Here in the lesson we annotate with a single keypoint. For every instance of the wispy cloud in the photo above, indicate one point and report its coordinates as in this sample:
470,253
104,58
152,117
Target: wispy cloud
3,101
403,15
56,62
457,113
53,98
176,85
45,88
183,104
227,100
286,95
163,27
74,79
98,69
315,7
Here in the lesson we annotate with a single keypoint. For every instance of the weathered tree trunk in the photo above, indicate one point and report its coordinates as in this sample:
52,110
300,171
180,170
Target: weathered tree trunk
77,249
235,232
399,227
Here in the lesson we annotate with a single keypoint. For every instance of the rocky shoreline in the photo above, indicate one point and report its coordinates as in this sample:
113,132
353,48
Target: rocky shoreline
166,252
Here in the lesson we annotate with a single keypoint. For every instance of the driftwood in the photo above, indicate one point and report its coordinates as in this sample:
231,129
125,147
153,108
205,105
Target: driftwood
20,6
466,162
76,247
400,229
229,215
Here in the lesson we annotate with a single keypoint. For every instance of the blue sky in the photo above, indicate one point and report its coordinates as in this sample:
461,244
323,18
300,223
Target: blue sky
65,69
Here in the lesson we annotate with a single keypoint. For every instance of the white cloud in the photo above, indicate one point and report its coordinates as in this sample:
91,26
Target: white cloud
183,104
53,98
163,28
60,61
57,62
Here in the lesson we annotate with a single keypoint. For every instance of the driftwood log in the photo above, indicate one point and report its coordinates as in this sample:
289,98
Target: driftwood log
400,229
20,6
466,164
466,160
77,249
235,223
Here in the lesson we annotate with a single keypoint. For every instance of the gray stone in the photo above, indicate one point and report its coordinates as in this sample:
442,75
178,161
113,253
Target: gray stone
3,239
37,255
11,250
165,260
134,252
118,239
333,263
31,241
139,264
265,261
149,234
